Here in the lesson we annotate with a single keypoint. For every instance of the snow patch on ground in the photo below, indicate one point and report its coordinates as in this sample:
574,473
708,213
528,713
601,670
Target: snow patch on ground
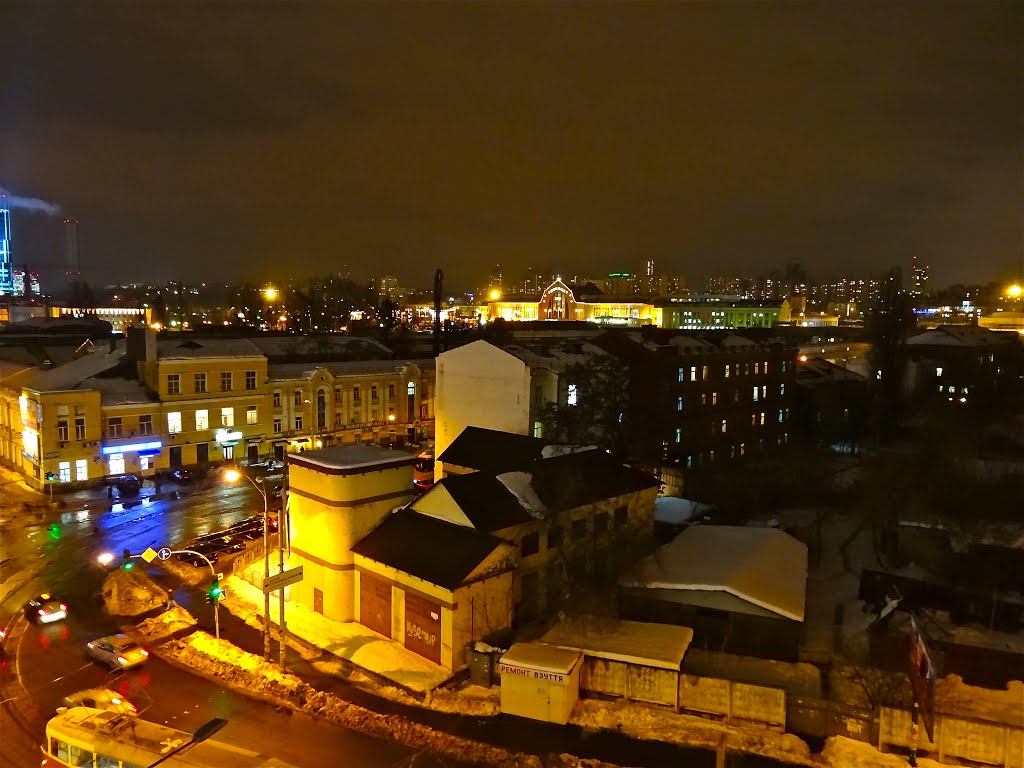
955,697
165,625
686,730
132,593
840,752
349,641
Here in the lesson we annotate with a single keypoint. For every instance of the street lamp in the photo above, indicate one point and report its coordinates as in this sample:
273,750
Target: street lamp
233,476
104,559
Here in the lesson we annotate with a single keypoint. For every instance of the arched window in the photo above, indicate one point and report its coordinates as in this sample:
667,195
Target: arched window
321,410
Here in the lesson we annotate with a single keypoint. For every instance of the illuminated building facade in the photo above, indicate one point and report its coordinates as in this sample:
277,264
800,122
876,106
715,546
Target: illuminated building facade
561,301
6,270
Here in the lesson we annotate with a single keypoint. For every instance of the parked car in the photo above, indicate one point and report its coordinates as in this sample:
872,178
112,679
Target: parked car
117,651
45,609
228,544
181,475
128,485
101,698
195,560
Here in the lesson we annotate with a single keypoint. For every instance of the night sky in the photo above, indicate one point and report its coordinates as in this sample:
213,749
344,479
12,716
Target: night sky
222,141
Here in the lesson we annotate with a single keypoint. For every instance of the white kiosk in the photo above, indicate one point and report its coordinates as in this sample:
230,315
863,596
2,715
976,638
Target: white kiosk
540,681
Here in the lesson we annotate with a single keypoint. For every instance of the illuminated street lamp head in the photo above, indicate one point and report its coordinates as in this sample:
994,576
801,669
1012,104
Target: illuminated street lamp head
270,293
495,295
232,475
104,558
391,417
1015,291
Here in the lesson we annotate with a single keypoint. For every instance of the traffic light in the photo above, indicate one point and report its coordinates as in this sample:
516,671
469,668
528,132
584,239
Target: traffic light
51,476
128,564
216,593
54,531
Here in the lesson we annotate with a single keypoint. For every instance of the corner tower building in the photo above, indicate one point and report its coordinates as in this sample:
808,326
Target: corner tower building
337,496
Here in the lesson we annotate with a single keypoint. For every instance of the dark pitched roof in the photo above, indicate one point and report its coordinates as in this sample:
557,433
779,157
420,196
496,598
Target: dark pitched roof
434,550
489,450
486,502
575,479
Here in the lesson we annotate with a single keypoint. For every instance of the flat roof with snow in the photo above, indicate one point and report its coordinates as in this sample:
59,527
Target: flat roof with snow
544,658
351,459
765,567
634,642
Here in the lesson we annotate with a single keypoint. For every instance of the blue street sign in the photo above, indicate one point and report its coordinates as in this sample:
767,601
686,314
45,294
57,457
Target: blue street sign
164,553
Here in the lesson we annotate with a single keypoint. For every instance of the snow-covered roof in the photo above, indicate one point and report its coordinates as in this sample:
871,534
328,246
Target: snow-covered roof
763,566
957,336
550,451
188,348
520,485
291,371
71,374
542,657
636,642
349,457
675,511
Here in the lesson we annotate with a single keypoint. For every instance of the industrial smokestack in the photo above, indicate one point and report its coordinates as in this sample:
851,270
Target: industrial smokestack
438,287
71,248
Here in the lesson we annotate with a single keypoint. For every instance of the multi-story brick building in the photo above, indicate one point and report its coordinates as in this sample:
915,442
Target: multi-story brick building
152,403
703,399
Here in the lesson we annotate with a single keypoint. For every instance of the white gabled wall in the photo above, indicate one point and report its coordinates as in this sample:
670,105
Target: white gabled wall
480,385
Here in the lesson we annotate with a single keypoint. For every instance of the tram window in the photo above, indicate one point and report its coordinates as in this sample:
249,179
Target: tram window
107,762
62,751
80,756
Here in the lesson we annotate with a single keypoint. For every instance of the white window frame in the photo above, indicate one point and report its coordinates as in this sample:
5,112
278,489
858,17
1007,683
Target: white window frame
174,422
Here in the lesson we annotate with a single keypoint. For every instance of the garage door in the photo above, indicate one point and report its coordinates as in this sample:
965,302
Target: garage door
375,604
423,627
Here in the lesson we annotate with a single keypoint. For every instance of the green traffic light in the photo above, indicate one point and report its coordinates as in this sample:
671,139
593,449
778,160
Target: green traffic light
129,565
54,531
216,593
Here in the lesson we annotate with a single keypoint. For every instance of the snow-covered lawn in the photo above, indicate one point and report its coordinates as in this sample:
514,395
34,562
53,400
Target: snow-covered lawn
840,752
349,641
165,625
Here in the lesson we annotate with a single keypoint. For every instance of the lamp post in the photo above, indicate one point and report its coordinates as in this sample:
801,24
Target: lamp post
233,475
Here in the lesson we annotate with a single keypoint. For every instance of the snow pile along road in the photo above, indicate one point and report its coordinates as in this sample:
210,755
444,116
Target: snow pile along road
132,593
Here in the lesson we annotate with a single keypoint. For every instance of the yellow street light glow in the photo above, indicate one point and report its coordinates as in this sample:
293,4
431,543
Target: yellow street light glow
270,293
1014,291
232,475
104,558
495,295
391,417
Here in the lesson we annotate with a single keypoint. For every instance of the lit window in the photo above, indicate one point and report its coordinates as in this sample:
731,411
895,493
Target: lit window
227,417
82,469
693,373
174,422
782,389
64,471
202,420
724,426
938,371
251,415
704,373
727,371
762,418
780,415
410,388
757,368
755,394
538,429
714,398
682,374
679,435
570,397
145,462
679,403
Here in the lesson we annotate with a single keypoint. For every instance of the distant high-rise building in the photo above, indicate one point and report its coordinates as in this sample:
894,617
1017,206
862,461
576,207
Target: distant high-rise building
918,278
6,270
724,285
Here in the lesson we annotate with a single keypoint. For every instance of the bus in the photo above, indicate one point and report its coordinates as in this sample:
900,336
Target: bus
423,471
95,738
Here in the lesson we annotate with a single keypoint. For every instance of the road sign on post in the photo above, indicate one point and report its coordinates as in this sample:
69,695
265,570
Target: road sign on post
164,553
283,579
149,555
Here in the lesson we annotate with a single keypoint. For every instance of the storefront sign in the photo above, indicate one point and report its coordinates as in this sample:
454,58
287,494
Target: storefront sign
255,439
508,669
52,455
223,436
153,445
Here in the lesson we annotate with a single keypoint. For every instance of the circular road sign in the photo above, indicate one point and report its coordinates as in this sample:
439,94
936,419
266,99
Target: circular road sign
164,553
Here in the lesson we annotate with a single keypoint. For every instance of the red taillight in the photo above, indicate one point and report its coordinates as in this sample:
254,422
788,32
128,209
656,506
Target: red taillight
122,660
63,606
42,612
133,708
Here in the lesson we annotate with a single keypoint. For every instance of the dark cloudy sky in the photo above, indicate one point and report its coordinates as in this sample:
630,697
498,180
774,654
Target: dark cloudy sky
219,140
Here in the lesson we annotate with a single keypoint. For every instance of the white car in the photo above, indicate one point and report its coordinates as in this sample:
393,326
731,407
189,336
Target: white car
117,651
101,698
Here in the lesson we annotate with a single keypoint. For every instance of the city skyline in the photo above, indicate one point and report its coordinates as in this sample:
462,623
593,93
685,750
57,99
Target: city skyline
400,139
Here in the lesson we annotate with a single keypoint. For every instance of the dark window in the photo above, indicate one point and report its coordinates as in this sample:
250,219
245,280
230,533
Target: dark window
621,516
530,545
600,523
250,379
579,528
555,535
